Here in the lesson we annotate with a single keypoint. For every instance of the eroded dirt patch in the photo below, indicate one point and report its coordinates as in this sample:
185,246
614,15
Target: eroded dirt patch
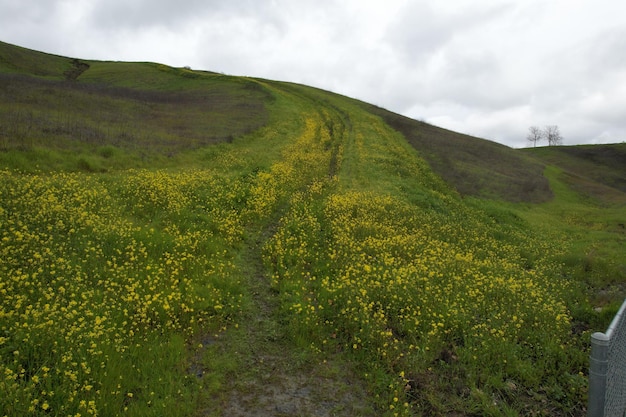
274,377
279,394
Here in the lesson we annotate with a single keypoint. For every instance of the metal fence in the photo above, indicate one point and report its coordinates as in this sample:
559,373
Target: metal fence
607,370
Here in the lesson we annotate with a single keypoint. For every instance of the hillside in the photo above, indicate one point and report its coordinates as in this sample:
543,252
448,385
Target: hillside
113,102
53,117
474,166
595,170
179,242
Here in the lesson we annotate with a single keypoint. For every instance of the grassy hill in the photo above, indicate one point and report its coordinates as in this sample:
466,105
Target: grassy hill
474,166
595,170
142,113
179,242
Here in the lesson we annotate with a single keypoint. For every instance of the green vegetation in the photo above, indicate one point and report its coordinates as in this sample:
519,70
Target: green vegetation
176,242
16,60
474,166
109,118
598,171
588,213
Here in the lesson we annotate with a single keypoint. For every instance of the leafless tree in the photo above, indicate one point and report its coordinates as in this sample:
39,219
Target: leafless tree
553,135
550,133
535,134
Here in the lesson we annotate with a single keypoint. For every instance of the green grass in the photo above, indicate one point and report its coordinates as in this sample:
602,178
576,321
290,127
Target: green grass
16,60
150,113
178,242
473,166
392,266
603,164
595,239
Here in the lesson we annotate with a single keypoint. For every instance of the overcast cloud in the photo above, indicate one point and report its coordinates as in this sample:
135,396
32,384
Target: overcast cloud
490,68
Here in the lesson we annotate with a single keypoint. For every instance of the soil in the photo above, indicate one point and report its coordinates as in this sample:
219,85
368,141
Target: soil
276,378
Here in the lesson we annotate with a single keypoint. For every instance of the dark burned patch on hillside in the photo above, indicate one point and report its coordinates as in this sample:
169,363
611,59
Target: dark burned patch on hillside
21,86
68,113
475,167
76,70
596,170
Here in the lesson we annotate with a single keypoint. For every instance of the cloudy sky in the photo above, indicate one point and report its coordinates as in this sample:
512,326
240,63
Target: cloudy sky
490,68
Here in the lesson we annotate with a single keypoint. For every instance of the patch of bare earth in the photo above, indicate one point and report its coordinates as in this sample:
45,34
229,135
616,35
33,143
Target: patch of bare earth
274,378
280,392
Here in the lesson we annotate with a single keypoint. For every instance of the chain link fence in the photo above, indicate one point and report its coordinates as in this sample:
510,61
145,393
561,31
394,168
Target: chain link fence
607,370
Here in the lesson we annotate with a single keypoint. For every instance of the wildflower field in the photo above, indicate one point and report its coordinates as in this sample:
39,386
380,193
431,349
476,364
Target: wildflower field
110,282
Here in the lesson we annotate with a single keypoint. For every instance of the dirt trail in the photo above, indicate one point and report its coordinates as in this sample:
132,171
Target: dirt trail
275,378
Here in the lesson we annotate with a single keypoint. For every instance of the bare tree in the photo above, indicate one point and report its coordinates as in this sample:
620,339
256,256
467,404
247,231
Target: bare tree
553,135
534,135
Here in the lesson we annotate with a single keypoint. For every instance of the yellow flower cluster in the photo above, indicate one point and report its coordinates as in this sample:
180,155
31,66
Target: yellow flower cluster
373,256
400,277
304,160
95,269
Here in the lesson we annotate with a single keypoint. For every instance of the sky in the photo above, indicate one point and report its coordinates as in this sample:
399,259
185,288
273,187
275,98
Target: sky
488,68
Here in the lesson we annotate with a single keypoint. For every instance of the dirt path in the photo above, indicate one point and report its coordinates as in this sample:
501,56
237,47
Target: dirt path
273,377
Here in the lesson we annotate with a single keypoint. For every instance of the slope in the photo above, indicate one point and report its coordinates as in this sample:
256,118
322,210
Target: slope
598,171
95,116
17,60
311,252
475,167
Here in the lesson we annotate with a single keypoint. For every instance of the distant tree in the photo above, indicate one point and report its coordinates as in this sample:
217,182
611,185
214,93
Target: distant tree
553,135
535,134
550,133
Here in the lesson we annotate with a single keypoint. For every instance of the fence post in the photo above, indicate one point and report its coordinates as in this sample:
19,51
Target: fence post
598,364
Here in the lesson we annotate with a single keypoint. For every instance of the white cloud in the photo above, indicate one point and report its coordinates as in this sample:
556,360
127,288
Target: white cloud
484,67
